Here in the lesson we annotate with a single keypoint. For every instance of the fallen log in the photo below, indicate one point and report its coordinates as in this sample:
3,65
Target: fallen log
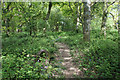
41,54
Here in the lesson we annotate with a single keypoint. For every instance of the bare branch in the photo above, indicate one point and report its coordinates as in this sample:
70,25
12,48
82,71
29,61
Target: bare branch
94,3
112,15
111,4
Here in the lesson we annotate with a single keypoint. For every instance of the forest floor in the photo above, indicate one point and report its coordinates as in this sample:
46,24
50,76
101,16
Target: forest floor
70,67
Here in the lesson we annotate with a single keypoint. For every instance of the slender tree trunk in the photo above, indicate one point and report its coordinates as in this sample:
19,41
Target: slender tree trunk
48,14
49,10
119,26
87,20
57,27
78,15
81,18
104,19
8,20
7,27
30,31
115,26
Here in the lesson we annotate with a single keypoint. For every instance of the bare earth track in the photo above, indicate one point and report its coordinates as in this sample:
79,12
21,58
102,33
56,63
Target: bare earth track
70,68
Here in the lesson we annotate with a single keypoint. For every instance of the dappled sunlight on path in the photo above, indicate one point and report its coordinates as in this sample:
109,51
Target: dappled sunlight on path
70,69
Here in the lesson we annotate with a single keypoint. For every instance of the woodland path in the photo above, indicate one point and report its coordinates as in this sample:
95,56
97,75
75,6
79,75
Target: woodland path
70,67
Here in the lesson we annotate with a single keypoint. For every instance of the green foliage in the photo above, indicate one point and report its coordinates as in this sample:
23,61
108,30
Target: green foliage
103,57
16,64
25,67
21,41
22,35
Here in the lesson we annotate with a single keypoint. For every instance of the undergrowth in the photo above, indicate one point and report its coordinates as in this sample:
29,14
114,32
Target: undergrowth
16,63
100,60
101,55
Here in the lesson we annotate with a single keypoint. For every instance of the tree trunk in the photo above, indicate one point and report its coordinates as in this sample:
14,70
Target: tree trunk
77,25
104,19
7,27
81,16
57,28
48,14
30,31
49,10
119,26
87,20
8,20
30,28
113,20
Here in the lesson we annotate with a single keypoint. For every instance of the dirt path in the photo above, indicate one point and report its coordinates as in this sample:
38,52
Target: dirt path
70,68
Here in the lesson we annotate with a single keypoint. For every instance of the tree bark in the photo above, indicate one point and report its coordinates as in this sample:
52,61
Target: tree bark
87,20
119,26
48,14
49,10
78,15
115,26
7,20
104,19
81,15
30,31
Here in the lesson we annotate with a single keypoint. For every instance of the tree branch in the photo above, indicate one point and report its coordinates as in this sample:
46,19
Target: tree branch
70,7
112,15
111,3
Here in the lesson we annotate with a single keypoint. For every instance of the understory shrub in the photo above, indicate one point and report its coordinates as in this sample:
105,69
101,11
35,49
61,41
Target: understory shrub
102,57
16,64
